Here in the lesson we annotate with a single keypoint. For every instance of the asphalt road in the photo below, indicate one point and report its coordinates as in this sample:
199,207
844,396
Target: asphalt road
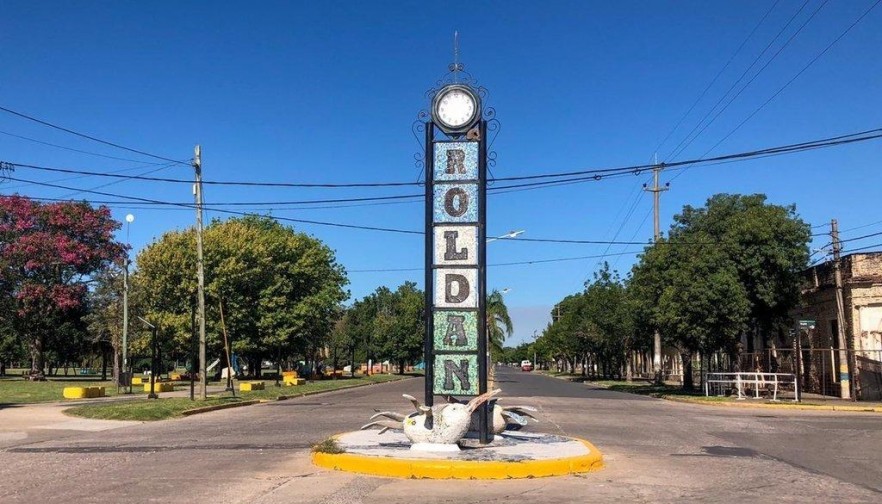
655,451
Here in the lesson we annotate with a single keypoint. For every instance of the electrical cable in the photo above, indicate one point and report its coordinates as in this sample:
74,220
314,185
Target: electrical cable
717,76
787,84
677,149
89,137
749,82
72,149
231,212
517,263
574,176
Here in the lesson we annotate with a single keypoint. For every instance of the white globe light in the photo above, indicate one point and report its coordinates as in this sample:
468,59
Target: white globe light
130,218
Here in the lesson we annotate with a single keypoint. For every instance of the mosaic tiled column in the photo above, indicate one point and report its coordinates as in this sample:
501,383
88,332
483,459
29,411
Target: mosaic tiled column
457,279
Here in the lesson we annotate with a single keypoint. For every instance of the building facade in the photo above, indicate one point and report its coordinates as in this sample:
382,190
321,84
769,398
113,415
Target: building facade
862,296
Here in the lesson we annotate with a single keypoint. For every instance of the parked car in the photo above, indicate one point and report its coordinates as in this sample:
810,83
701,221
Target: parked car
526,365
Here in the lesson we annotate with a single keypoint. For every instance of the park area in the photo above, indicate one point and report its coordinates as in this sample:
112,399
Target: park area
174,399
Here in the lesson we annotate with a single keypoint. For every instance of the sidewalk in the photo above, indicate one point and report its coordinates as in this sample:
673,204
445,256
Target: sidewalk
26,423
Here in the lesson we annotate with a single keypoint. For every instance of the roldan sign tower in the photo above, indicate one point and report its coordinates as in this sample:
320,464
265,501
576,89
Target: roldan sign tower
456,279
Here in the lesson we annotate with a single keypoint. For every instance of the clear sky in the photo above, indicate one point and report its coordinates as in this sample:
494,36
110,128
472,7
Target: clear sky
327,92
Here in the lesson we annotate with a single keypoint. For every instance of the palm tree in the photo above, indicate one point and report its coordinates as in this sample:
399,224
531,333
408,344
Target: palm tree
499,324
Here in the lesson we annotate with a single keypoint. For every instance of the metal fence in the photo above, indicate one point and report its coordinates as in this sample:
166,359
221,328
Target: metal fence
817,370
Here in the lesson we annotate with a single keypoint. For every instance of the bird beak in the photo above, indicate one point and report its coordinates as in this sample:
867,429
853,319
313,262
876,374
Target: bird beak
481,399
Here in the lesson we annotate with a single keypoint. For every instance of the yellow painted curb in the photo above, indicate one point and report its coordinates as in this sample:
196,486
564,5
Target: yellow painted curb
460,469
791,406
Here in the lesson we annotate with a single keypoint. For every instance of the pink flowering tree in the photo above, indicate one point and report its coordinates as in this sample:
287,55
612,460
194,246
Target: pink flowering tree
48,254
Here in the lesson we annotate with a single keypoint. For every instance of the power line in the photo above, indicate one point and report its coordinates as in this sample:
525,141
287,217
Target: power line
214,182
860,237
858,227
787,84
517,263
757,74
72,149
89,137
849,251
806,67
678,148
573,176
231,212
717,76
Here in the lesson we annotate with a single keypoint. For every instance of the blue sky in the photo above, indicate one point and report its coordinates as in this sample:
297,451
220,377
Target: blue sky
327,91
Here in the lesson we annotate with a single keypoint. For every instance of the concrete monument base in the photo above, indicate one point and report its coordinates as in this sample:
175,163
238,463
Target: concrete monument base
512,454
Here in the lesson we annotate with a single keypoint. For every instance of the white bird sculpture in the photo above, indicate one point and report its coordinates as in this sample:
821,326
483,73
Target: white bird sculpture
503,416
438,428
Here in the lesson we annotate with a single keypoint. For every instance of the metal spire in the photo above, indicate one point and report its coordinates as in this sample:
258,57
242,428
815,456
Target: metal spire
456,66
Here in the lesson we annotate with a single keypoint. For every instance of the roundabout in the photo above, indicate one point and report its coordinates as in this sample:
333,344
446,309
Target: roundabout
511,455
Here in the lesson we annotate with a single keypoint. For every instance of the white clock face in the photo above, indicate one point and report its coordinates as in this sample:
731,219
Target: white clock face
456,108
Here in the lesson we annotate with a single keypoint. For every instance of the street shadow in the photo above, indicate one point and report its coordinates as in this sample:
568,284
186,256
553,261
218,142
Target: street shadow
723,452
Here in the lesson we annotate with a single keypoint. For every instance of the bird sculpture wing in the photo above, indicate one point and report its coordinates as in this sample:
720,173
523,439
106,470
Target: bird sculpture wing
521,410
384,425
518,414
417,406
389,414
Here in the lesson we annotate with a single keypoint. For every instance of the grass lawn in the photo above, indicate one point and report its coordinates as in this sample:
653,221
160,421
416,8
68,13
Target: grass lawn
173,407
16,390
272,392
660,391
145,409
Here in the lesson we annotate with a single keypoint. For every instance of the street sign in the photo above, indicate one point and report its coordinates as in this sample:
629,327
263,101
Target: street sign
806,324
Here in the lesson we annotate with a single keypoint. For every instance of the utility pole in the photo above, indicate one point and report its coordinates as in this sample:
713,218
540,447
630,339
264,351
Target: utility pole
656,191
844,378
200,274
127,381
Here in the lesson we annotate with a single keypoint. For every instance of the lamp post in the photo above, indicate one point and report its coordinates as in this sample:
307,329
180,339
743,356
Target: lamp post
152,394
125,329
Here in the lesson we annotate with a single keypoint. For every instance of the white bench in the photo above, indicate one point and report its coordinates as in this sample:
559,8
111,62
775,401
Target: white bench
742,379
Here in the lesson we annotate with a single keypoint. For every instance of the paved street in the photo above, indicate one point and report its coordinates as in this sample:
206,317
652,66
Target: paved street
656,451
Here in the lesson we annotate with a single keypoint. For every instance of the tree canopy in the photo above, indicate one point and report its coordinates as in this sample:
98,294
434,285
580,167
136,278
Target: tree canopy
726,270
280,289
48,254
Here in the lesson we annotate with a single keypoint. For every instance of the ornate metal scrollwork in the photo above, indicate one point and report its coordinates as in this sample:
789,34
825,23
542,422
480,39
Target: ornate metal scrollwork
418,128
457,75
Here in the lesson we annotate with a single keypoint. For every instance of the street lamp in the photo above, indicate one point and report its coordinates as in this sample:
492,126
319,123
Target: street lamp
507,236
125,332
152,394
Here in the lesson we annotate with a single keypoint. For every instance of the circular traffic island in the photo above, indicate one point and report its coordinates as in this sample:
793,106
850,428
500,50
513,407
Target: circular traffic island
511,455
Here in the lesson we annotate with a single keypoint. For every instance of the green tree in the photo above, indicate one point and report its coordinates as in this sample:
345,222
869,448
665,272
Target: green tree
768,247
499,324
280,289
388,325
48,254
725,269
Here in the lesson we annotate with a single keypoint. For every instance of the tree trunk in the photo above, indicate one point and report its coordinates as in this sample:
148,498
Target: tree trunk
629,373
37,359
116,364
686,357
103,363
352,362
